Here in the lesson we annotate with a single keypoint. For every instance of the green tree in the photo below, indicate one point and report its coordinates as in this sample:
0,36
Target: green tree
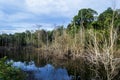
7,72
105,18
84,17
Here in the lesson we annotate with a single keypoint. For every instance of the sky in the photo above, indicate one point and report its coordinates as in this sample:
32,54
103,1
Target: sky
22,15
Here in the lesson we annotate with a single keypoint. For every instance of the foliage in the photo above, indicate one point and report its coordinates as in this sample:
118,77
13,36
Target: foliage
85,17
7,72
105,18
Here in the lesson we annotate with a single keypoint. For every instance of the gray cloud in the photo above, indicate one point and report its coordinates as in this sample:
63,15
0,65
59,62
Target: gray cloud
21,13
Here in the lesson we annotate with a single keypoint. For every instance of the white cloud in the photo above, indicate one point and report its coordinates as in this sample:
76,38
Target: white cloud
53,7
22,13
66,8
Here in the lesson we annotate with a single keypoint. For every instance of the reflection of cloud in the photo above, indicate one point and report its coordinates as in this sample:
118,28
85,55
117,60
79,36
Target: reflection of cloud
47,72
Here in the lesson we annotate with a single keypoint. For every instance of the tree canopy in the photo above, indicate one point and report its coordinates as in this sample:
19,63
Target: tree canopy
85,17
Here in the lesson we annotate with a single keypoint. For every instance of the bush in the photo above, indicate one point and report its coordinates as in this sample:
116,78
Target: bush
7,72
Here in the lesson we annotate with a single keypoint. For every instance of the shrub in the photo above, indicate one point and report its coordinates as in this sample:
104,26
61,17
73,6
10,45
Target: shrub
7,72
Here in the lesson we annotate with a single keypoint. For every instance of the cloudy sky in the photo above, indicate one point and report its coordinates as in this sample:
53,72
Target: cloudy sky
21,15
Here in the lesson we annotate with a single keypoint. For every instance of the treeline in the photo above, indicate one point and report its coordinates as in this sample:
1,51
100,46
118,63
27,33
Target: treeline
86,18
27,38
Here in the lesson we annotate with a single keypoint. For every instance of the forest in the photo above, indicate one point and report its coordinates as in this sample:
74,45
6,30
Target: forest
88,47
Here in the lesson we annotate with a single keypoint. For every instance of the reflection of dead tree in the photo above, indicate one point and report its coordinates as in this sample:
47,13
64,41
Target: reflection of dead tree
38,35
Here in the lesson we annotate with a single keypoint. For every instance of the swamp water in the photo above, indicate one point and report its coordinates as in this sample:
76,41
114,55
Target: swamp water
48,72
